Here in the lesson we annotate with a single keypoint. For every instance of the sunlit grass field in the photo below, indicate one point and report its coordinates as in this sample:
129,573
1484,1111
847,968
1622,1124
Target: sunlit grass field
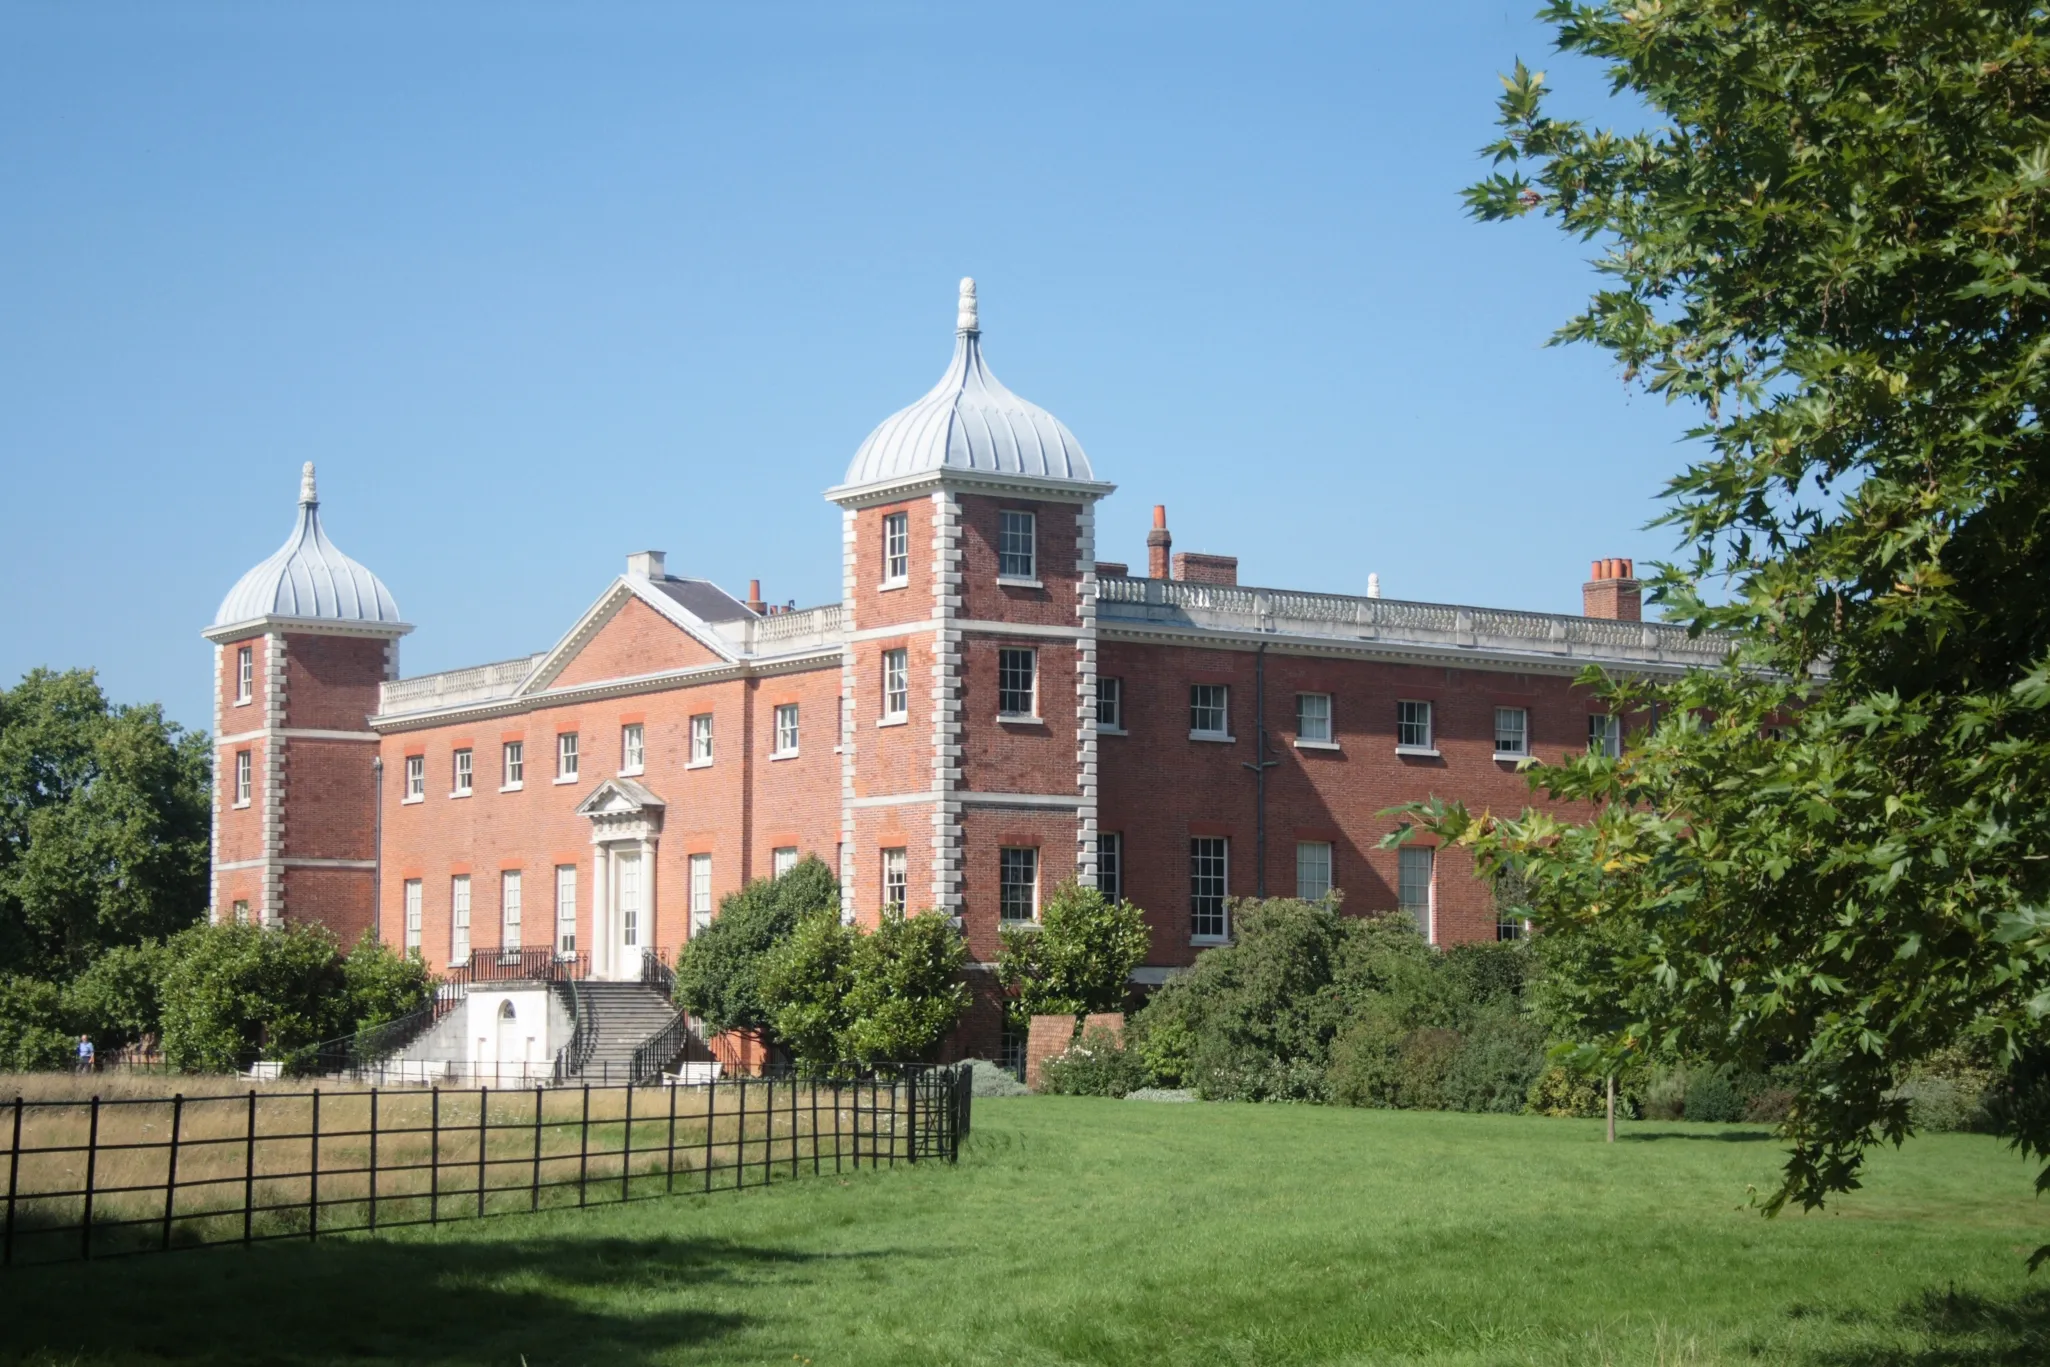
1085,1231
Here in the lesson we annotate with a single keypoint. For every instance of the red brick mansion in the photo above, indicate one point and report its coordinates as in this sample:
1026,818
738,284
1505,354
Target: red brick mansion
985,710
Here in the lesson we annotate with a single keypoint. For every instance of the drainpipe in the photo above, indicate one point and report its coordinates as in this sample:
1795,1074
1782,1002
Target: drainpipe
377,851
1260,765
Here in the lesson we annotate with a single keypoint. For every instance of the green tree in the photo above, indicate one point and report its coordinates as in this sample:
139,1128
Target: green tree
1078,959
32,1033
841,998
119,999
383,984
1830,244
234,993
718,970
104,824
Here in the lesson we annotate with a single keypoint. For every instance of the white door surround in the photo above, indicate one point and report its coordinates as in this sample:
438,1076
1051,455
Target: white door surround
626,825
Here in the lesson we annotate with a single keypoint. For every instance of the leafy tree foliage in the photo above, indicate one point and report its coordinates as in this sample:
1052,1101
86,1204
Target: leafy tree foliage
718,970
119,999
841,998
1078,959
1831,244
32,1034
103,824
233,993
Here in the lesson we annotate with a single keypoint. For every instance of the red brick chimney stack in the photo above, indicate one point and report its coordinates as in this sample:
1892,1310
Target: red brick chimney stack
1159,565
1612,591
754,597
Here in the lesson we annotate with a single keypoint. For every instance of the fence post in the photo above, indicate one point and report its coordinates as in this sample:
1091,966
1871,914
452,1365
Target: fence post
769,1132
837,1136
249,1172
740,1142
373,1159
670,1166
483,1142
795,1127
92,1163
434,1159
584,1148
626,1149
13,1185
711,1116
815,1127
313,1174
171,1165
911,1119
534,1201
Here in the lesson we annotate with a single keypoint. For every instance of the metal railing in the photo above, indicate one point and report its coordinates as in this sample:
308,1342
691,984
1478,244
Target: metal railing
102,1178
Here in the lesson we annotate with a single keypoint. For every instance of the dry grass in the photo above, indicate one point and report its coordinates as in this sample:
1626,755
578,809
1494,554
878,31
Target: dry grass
277,1159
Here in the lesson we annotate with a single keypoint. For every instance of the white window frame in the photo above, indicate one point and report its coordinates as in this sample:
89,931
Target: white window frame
1605,734
1010,859
896,880
565,910
1415,727
1512,733
1220,707
245,675
782,860
240,911
245,777
1314,877
459,919
1017,528
1110,705
700,892
633,748
510,909
410,906
1425,909
1315,722
1008,658
462,772
703,741
415,779
896,686
1110,864
568,757
512,766
1203,849
896,550
785,719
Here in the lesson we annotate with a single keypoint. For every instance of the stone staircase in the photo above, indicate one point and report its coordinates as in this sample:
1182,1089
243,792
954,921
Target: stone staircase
619,1017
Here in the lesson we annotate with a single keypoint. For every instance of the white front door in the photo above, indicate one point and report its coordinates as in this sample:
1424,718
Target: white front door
628,913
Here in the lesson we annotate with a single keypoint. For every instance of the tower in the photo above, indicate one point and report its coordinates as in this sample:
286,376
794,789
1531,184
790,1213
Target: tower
968,684
301,644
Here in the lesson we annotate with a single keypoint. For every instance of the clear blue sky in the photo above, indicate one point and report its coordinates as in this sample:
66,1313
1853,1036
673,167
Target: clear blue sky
537,286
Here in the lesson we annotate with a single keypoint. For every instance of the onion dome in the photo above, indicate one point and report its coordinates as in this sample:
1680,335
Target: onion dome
310,579
969,422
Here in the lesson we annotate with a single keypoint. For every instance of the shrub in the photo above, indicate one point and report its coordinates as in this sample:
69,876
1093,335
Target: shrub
233,993
1561,1092
1712,1096
839,998
718,970
1769,1105
990,1079
32,1037
384,984
1665,1094
1079,957
1096,1065
1503,1054
119,997
1942,1105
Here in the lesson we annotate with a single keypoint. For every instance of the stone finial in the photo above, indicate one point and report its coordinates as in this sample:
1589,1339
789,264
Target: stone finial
966,320
1373,586
306,493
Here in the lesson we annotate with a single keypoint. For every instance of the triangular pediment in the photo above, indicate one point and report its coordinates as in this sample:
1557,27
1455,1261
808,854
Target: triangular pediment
619,797
629,633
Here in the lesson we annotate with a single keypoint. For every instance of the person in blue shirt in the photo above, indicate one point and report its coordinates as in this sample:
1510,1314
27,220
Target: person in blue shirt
85,1054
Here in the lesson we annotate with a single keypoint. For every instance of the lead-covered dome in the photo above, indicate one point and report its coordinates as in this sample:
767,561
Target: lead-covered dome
309,578
969,421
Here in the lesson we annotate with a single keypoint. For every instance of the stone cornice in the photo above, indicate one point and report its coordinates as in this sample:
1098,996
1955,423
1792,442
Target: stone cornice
1382,650
304,626
977,481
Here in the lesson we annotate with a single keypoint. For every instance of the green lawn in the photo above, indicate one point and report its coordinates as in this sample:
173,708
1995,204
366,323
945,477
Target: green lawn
1081,1231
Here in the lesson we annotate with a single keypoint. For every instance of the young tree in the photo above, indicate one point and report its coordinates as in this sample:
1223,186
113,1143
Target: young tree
1078,959
840,998
1831,245
718,970
234,993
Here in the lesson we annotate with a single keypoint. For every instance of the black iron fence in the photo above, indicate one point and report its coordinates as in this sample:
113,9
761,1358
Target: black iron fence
103,1178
